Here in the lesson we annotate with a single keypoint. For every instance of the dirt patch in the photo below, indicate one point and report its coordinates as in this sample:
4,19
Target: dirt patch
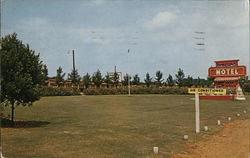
231,142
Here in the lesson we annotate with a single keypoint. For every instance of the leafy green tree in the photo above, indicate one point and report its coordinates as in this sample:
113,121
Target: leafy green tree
148,80
245,85
243,80
209,82
21,73
188,82
108,80
59,76
86,79
197,82
126,79
158,78
170,81
115,79
74,77
44,73
179,77
136,80
97,78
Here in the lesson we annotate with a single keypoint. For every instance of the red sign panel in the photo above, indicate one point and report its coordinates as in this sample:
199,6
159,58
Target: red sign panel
227,71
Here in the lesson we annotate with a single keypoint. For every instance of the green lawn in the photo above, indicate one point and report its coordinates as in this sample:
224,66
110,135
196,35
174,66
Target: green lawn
112,126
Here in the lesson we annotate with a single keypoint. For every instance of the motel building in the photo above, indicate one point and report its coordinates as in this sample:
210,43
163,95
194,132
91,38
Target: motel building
227,74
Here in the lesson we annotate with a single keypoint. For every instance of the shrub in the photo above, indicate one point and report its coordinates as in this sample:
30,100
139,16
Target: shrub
135,90
58,91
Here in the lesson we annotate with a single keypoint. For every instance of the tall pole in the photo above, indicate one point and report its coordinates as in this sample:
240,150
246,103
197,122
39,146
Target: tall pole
128,80
128,85
74,72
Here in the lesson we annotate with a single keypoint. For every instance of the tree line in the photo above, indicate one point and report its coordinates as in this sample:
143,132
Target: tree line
157,80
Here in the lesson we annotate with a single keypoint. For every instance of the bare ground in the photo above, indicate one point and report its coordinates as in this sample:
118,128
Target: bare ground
231,142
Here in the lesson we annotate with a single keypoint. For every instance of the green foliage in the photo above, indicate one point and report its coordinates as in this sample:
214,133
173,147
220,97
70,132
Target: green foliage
105,91
209,81
135,90
115,79
108,80
126,79
58,91
86,80
188,82
44,73
158,78
59,76
202,82
97,78
136,80
170,81
179,77
148,80
21,72
74,77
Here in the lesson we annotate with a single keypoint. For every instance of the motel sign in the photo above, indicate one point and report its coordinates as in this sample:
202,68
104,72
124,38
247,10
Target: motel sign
231,71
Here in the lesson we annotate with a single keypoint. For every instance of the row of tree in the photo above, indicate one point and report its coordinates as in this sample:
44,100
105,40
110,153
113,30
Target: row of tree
97,79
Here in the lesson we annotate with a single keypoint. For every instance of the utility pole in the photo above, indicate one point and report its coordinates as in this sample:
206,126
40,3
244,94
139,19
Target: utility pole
74,69
128,79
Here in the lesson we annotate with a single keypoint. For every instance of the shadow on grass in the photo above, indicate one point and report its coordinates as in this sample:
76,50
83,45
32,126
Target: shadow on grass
6,123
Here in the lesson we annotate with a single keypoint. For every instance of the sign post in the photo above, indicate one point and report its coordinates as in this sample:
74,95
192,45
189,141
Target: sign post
198,91
197,113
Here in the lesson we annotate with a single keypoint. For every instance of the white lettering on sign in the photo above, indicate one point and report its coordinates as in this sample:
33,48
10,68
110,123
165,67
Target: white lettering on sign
236,72
217,72
223,72
226,72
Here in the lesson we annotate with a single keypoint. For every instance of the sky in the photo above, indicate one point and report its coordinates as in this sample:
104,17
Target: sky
159,34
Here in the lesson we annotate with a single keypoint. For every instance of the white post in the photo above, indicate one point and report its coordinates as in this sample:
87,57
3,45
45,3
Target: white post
128,85
197,113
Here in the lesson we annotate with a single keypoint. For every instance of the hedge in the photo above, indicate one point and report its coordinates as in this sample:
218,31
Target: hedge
135,90
58,91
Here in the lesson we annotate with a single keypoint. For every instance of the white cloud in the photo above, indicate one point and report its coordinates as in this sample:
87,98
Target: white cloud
98,1
33,23
161,19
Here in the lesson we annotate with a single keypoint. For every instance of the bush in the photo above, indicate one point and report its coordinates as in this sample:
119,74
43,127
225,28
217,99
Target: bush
135,90
58,91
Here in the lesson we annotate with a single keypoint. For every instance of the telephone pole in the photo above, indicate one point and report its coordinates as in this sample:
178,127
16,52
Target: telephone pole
74,68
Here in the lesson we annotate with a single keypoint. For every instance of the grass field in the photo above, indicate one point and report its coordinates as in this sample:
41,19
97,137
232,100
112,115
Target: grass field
112,126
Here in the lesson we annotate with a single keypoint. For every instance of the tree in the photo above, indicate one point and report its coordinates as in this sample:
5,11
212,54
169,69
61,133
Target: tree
197,82
126,79
158,78
179,77
170,81
188,82
86,80
59,76
136,80
97,78
21,73
108,80
148,80
44,73
115,79
209,82
74,77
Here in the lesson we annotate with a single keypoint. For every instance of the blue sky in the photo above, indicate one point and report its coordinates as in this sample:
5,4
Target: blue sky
159,33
